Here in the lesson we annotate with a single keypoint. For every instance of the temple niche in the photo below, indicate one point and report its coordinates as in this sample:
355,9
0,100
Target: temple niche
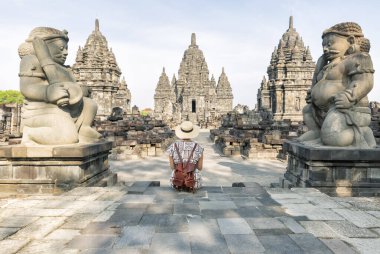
96,67
290,75
193,96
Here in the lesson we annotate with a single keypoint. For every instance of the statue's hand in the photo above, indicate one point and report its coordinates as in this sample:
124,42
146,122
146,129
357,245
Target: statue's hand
308,96
57,94
342,102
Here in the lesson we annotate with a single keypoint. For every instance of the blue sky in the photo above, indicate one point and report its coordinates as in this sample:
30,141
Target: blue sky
147,35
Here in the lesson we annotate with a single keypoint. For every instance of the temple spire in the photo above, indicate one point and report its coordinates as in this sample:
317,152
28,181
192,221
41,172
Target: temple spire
291,23
193,40
96,25
163,69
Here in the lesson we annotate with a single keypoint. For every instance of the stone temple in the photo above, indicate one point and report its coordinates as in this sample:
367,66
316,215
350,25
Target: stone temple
96,67
193,96
290,75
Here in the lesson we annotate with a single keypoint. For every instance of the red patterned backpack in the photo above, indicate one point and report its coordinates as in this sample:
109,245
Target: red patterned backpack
184,173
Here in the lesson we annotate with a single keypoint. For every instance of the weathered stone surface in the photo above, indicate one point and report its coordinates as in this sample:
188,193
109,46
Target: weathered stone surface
348,229
309,244
136,237
359,218
78,221
338,246
40,228
234,226
279,244
216,205
292,224
170,243
63,234
12,245
5,232
43,246
244,244
265,223
319,229
17,221
83,242
311,212
363,245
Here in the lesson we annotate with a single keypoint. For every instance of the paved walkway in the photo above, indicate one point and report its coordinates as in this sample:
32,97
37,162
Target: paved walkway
138,218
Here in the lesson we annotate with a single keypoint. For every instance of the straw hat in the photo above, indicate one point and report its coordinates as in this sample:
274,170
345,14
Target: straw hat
187,130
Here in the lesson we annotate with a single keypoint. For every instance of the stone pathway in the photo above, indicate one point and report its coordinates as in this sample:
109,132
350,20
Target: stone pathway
139,217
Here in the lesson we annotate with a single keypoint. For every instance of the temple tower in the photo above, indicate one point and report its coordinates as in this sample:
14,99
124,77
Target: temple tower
96,67
195,96
289,77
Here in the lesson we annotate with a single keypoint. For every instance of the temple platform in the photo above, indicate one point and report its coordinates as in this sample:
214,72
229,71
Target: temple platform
335,171
54,169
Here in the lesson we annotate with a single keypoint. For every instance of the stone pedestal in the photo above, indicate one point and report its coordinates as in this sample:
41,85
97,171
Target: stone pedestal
53,169
335,171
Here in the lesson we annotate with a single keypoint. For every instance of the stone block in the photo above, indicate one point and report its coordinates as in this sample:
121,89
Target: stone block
244,243
234,226
53,168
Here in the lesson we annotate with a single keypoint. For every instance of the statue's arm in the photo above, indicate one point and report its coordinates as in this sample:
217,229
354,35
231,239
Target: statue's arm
361,76
32,86
46,61
360,72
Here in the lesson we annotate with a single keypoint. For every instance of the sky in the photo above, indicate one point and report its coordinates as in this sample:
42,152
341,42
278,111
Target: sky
147,35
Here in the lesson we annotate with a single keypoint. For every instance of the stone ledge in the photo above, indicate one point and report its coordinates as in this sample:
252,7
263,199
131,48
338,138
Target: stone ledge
71,151
327,153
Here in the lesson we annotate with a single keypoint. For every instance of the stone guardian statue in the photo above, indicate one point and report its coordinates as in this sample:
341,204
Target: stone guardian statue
56,109
337,113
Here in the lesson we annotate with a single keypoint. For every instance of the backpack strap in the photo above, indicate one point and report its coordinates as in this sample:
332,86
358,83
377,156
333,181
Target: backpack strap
179,155
191,155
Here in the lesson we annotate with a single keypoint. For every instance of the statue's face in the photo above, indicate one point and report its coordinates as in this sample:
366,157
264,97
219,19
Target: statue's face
58,50
334,46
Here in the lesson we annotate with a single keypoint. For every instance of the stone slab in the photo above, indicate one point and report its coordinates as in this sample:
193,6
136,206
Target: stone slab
127,216
311,212
188,209
365,246
83,242
40,228
12,245
319,229
136,237
310,244
63,234
170,243
43,246
244,244
234,226
338,246
265,223
101,228
292,224
139,187
359,218
279,244
5,232
17,221
141,199
216,205
348,229
78,221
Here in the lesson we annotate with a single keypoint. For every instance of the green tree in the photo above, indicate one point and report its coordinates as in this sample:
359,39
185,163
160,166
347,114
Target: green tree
11,96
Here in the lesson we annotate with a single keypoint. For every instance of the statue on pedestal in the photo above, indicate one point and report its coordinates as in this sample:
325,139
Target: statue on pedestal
56,110
337,113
